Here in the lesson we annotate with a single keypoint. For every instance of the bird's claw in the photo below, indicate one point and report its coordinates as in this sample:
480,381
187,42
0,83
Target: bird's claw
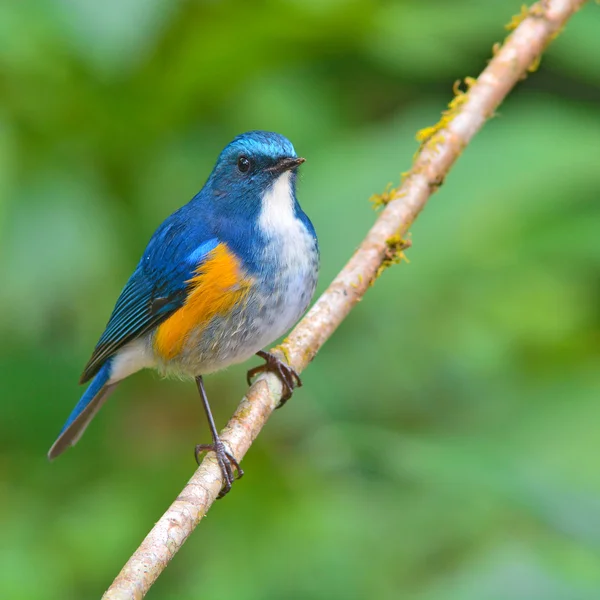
288,375
227,463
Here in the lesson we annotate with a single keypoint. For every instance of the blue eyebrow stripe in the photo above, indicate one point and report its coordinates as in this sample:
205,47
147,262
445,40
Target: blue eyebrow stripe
201,251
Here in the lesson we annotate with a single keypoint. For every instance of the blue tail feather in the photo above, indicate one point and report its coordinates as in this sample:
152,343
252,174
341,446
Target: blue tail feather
84,411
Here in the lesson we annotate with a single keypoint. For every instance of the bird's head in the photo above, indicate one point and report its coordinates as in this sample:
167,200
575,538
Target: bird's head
252,164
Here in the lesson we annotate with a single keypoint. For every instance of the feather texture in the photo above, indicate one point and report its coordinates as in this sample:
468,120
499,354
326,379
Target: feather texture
216,288
157,288
84,411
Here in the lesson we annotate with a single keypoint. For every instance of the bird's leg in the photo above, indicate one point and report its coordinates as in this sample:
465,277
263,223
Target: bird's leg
226,461
289,378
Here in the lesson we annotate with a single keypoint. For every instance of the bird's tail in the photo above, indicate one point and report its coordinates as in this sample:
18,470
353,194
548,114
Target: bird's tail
85,410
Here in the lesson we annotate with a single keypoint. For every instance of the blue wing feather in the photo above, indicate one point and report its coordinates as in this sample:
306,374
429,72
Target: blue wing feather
157,287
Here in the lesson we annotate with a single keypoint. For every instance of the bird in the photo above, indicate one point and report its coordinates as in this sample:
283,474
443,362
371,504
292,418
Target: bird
221,278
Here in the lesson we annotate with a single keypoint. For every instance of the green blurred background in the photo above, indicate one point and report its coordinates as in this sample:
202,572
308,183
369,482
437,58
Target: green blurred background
445,444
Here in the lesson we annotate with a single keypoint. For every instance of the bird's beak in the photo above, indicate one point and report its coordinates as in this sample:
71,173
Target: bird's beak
286,164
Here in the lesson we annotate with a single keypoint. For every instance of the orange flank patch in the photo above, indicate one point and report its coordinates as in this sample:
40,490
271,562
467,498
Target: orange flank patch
216,288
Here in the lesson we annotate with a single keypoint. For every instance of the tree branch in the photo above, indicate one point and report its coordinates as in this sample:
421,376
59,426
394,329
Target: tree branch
441,145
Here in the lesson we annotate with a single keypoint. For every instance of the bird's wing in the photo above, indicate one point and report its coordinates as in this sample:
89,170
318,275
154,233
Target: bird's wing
158,287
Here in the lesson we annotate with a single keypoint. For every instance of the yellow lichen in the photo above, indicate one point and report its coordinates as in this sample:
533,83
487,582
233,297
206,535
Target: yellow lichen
427,132
284,350
534,66
516,20
394,253
358,283
380,200
432,134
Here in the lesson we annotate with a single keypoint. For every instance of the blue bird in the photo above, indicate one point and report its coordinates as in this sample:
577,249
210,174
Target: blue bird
222,277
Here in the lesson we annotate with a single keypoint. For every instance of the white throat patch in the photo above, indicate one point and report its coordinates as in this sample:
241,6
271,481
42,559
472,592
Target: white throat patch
277,214
288,239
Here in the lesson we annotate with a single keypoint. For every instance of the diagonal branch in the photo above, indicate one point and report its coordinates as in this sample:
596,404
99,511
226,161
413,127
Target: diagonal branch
441,145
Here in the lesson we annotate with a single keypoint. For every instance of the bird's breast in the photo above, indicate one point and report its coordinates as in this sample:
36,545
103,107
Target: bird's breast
290,266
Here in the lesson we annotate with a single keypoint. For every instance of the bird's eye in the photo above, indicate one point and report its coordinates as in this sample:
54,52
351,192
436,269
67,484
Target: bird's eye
243,164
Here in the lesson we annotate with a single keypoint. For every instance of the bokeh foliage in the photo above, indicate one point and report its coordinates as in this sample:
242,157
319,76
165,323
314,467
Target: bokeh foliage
445,445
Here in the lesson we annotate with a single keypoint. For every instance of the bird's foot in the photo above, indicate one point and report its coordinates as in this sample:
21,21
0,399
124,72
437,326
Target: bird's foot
289,378
227,463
